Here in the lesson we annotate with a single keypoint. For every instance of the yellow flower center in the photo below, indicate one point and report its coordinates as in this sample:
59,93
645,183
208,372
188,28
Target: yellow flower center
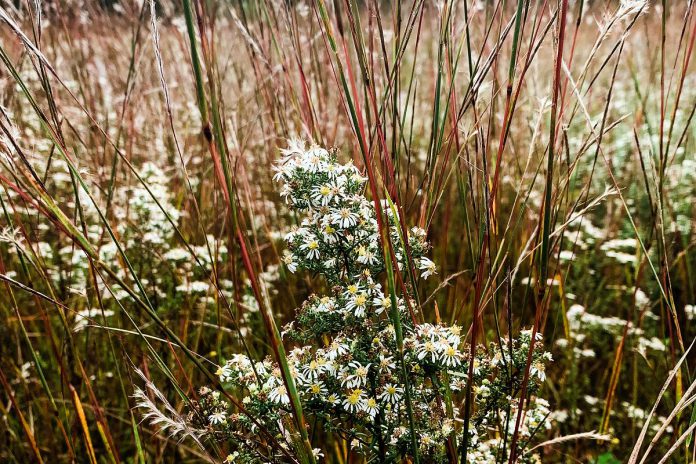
354,397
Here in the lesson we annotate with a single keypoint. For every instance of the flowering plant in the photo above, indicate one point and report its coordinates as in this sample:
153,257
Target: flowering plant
387,400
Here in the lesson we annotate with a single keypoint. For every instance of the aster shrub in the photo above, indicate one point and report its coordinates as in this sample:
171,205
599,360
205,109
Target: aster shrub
353,380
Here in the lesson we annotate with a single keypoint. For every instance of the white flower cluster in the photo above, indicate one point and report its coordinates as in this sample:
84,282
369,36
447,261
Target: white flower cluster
353,382
436,344
619,249
681,176
143,213
144,233
534,420
339,237
585,327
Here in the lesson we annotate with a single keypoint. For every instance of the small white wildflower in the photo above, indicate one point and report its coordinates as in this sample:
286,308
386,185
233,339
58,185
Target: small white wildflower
538,369
289,261
427,349
279,394
217,418
371,407
356,375
317,389
382,303
345,218
323,194
357,304
354,401
365,256
391,393
428,267
311,247
451,357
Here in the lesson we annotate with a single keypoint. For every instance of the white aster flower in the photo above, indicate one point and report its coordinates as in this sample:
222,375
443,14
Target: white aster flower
427,266
329,233
355,401
344,217
311,247
323,194
539,370
391,393
217,418
317,389
382,303
289,261
451,357
336,349
279,395
366,256
427,349
326,304
357,304
371,407
356,375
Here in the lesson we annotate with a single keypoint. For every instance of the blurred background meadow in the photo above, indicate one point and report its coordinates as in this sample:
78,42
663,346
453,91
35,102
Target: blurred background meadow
546,146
